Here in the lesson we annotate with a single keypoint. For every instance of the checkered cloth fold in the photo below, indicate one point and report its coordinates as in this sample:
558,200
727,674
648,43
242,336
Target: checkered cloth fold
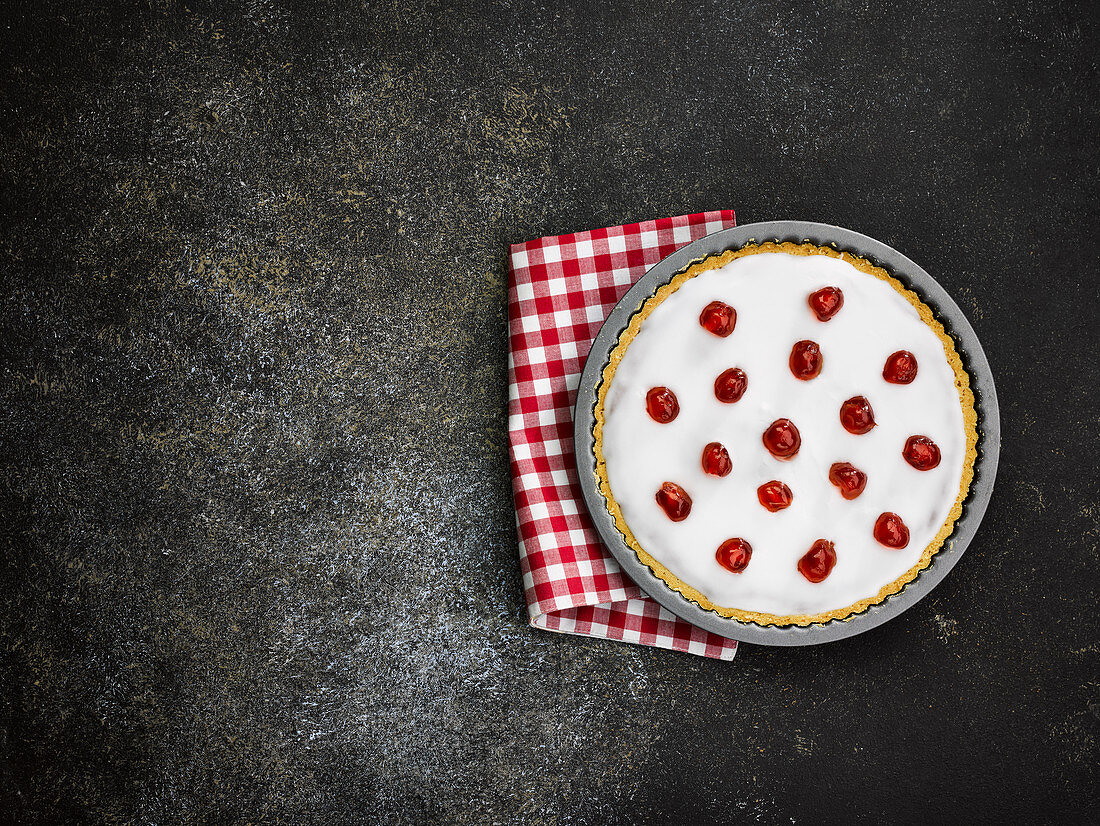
560,290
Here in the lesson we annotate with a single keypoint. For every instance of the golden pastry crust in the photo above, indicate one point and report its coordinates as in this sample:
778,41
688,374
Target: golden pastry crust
962,384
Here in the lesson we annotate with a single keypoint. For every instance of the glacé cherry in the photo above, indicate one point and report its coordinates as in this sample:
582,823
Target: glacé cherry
891,531
782,439
730,385
716,460
826,302
719,318
674,500
818,562
857,416
774,495
900,367
921,452
849,479
734,555
661,404
806,360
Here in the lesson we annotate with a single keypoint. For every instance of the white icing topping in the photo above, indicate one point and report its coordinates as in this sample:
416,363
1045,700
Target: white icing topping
672,349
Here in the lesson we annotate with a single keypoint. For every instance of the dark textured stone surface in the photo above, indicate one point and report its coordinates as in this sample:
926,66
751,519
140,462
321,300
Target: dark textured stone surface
258,546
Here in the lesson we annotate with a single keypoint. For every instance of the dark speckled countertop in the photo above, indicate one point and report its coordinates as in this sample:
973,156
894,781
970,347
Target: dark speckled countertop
259,561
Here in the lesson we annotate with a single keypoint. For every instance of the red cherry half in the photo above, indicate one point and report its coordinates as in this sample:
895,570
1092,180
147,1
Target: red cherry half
826,302
661,404
716,460
891,531
734,555
921,452
774,495
806,360
818,562
730,386
674,500
857,416
849,479
900,367
719,318
782,439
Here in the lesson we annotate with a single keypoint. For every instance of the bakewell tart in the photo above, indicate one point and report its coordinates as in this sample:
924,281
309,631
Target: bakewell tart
785,434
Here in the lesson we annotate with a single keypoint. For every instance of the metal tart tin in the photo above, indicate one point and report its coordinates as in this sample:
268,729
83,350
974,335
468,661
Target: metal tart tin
969,349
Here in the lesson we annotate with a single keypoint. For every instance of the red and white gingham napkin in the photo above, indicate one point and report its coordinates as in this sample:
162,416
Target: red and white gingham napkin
560,290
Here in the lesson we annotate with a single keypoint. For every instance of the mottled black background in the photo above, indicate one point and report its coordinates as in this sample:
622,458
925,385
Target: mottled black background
258,553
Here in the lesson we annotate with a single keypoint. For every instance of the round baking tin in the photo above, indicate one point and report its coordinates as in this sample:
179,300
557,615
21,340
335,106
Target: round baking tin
913,277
